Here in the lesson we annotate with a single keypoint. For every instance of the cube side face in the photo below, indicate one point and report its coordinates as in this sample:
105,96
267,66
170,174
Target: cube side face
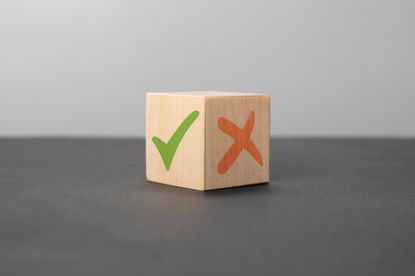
175,140
237,141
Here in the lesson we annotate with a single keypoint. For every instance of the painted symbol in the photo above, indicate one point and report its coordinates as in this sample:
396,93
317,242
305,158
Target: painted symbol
242,141
168,150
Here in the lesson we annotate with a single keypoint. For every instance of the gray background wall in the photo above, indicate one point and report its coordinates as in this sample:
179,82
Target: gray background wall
81,67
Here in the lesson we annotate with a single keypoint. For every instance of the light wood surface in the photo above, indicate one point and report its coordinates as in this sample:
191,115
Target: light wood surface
207,94
195,164
245,170
164,113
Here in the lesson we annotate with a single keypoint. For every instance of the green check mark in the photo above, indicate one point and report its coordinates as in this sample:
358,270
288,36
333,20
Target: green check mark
167,150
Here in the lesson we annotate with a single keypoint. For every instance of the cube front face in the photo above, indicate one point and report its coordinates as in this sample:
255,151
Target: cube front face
237,141
179,123
207,141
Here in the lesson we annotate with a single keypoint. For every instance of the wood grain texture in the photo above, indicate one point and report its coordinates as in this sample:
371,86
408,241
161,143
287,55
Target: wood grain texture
245,170
195,164
164,113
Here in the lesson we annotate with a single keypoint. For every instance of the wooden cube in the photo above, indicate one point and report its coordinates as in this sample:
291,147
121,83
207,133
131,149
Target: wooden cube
207,140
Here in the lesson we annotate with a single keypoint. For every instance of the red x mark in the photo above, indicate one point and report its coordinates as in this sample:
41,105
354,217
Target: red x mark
242,141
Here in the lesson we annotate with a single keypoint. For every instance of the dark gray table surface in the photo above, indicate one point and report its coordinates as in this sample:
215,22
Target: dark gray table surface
83,207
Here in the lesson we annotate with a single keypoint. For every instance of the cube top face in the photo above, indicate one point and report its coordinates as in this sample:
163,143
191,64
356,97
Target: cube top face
207,140
206,94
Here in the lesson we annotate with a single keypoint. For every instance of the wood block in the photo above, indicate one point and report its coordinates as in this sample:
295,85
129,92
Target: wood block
207,140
